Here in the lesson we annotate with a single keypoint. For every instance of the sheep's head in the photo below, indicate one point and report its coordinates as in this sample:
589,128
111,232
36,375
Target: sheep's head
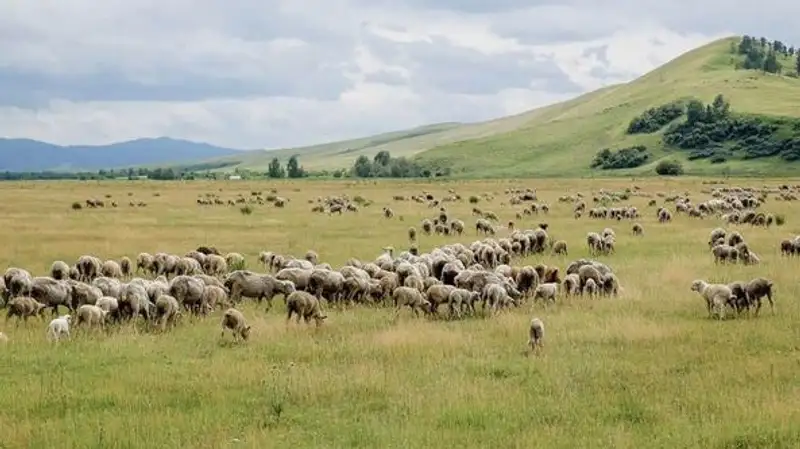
245,332
697,285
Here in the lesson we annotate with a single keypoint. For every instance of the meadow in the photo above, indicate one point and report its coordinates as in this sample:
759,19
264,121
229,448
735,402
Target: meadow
647,369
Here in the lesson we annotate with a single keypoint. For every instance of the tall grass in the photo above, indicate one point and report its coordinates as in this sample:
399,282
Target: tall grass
645,370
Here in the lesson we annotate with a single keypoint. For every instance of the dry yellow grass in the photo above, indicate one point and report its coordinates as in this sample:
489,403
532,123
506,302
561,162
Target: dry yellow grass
645,370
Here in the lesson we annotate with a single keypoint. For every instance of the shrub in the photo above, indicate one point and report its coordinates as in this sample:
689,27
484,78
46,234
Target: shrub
474,199
246,210
780,219
77,206
669,168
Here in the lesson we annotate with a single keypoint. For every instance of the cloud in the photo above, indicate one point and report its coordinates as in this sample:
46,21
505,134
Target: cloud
274,73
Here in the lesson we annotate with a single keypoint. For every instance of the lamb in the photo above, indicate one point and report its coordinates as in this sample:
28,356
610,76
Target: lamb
717,296
305,305
92,315
59,327
572,284
560,247
637,229
234,321
546,291
536,334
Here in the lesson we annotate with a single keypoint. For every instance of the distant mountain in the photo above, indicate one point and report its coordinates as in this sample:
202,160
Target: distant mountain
21,155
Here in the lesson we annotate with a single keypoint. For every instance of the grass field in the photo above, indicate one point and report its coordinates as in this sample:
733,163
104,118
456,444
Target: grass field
560,140
646,370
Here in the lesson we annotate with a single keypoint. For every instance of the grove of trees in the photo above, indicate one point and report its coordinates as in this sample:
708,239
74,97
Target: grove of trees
769,56
383,165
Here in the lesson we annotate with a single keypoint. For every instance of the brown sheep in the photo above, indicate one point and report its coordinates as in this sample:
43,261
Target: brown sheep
757,289
304,305
234,321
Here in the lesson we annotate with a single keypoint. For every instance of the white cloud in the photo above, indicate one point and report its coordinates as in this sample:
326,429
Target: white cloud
275,73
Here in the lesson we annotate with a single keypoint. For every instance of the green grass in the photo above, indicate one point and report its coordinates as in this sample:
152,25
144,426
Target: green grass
564,143
645,370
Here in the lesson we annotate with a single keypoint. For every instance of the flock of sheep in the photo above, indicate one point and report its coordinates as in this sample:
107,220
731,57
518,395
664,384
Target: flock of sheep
480,277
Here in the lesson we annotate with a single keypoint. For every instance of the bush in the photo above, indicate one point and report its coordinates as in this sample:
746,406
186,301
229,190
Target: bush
624,158
780,219
77,206
246,210
669,168
474,199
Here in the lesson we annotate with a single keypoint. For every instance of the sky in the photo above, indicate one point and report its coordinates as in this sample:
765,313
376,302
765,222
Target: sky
273,73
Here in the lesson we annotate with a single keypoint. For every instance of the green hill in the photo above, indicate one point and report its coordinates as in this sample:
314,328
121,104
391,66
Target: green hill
564,139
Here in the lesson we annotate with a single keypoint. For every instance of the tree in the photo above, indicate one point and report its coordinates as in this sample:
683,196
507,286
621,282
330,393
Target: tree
669,168
695,111
771,64
293,168
275,169
797,63
382,158
720,107
363,167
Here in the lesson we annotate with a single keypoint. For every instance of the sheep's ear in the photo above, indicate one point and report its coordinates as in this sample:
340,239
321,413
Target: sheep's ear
248,328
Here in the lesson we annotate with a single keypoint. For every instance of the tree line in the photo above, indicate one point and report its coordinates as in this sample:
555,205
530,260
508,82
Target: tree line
768,56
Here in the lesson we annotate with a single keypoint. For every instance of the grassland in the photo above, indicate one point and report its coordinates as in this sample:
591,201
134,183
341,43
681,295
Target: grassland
645,370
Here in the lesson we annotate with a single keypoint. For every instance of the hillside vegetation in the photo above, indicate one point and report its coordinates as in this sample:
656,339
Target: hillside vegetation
757,134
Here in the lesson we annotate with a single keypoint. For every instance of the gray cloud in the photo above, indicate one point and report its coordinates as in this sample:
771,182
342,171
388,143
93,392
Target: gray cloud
271,73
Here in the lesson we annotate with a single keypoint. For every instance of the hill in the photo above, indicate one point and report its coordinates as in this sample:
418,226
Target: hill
564,139
25,155
342,153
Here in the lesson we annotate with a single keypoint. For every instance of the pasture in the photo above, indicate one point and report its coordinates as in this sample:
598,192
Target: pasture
646,369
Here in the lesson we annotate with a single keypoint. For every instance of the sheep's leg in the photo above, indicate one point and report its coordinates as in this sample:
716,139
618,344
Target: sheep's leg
771,303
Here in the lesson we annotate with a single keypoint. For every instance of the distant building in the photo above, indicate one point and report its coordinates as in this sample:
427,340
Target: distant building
234,177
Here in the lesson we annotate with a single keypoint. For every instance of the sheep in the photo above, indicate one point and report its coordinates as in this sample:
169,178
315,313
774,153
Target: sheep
167,311
305,305
590,288
234,321
717,296
24,307
560,247
757,289
92,315
637,229
572,284
125,266
111,269
59,270
546,291
259,286
412,234
59,327
408,296
536,335
214,296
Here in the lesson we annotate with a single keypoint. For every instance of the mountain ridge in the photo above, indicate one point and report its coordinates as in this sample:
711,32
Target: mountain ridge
30,155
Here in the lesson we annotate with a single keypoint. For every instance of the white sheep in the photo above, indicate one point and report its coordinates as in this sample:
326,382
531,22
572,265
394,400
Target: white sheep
546,291
536,334
717,296
58,327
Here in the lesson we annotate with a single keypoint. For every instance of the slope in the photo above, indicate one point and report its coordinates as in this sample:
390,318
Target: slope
26,155
400,143
564,140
